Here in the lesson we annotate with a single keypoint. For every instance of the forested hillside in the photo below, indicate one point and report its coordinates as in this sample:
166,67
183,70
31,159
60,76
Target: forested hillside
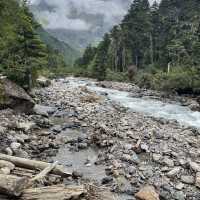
69,54
23,52
161,41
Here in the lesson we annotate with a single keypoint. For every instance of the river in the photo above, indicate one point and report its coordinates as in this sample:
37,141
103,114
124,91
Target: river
155,108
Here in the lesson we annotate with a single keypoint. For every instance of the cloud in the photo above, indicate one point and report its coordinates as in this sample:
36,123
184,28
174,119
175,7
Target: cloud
62,16
72,14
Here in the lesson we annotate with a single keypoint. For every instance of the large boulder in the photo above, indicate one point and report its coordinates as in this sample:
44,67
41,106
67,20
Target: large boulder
44,110
14,96
43,81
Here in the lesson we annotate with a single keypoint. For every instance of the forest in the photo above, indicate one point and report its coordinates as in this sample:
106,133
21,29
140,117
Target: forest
23,53
161,41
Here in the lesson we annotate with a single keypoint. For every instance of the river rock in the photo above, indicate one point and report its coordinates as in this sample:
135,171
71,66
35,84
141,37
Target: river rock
180,186
194,105
83,145
168,162
147,193
144,147
135,158
106,180
131,158
175,171
126,157
2,130
26,126
15,146
15,97
156,157
194,166
43,81
187,179
21,153
44,110
197,181
179,195
56,129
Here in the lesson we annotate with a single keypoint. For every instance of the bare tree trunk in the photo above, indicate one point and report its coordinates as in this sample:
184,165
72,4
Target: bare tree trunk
151,49
136,60
169,68
124,59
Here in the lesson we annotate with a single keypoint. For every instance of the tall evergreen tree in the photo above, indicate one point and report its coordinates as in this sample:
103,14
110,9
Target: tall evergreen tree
22,51
137,28
100,60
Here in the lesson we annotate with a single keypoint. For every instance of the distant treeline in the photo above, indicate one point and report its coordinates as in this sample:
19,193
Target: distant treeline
162,40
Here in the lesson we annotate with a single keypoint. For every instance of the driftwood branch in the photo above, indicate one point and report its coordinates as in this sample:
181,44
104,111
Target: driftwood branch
59,192
35,165
43,173
12,185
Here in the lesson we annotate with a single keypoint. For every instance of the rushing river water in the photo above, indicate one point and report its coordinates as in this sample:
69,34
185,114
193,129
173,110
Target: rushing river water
150,107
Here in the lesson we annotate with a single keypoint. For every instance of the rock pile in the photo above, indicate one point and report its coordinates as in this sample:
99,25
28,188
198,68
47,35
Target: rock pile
136,150
143,157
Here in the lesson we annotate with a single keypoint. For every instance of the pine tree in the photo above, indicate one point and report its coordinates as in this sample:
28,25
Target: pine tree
137,28
22,51
100,60
88,55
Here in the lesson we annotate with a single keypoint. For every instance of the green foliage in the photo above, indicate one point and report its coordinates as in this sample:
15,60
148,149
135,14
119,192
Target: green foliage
68,53
116,76
181,80
88,55
22,52
100,59
25,48
154,39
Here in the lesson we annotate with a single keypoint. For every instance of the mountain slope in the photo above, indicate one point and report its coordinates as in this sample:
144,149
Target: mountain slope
70,54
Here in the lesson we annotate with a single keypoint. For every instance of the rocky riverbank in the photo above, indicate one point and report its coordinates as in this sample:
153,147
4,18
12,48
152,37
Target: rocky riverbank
190,101
132,152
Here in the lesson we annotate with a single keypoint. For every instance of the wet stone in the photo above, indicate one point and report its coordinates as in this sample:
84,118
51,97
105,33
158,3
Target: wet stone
194,166
197,181
156,157
180,186
168,162
147,193
56,129
187,179
174,172
106,180
179,195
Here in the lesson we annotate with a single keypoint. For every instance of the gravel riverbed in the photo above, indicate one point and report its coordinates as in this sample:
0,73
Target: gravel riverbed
106,143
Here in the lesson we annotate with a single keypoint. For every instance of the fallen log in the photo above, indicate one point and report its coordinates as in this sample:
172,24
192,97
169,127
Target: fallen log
22,172
12,185
35,165
59,192
43,173
28,173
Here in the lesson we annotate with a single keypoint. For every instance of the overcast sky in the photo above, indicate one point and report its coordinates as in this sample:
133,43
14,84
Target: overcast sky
111,11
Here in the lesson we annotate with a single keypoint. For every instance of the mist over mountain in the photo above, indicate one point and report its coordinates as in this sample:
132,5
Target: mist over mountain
81,22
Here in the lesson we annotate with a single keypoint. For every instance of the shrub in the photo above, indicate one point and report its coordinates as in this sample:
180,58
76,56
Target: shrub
116,76
180,79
